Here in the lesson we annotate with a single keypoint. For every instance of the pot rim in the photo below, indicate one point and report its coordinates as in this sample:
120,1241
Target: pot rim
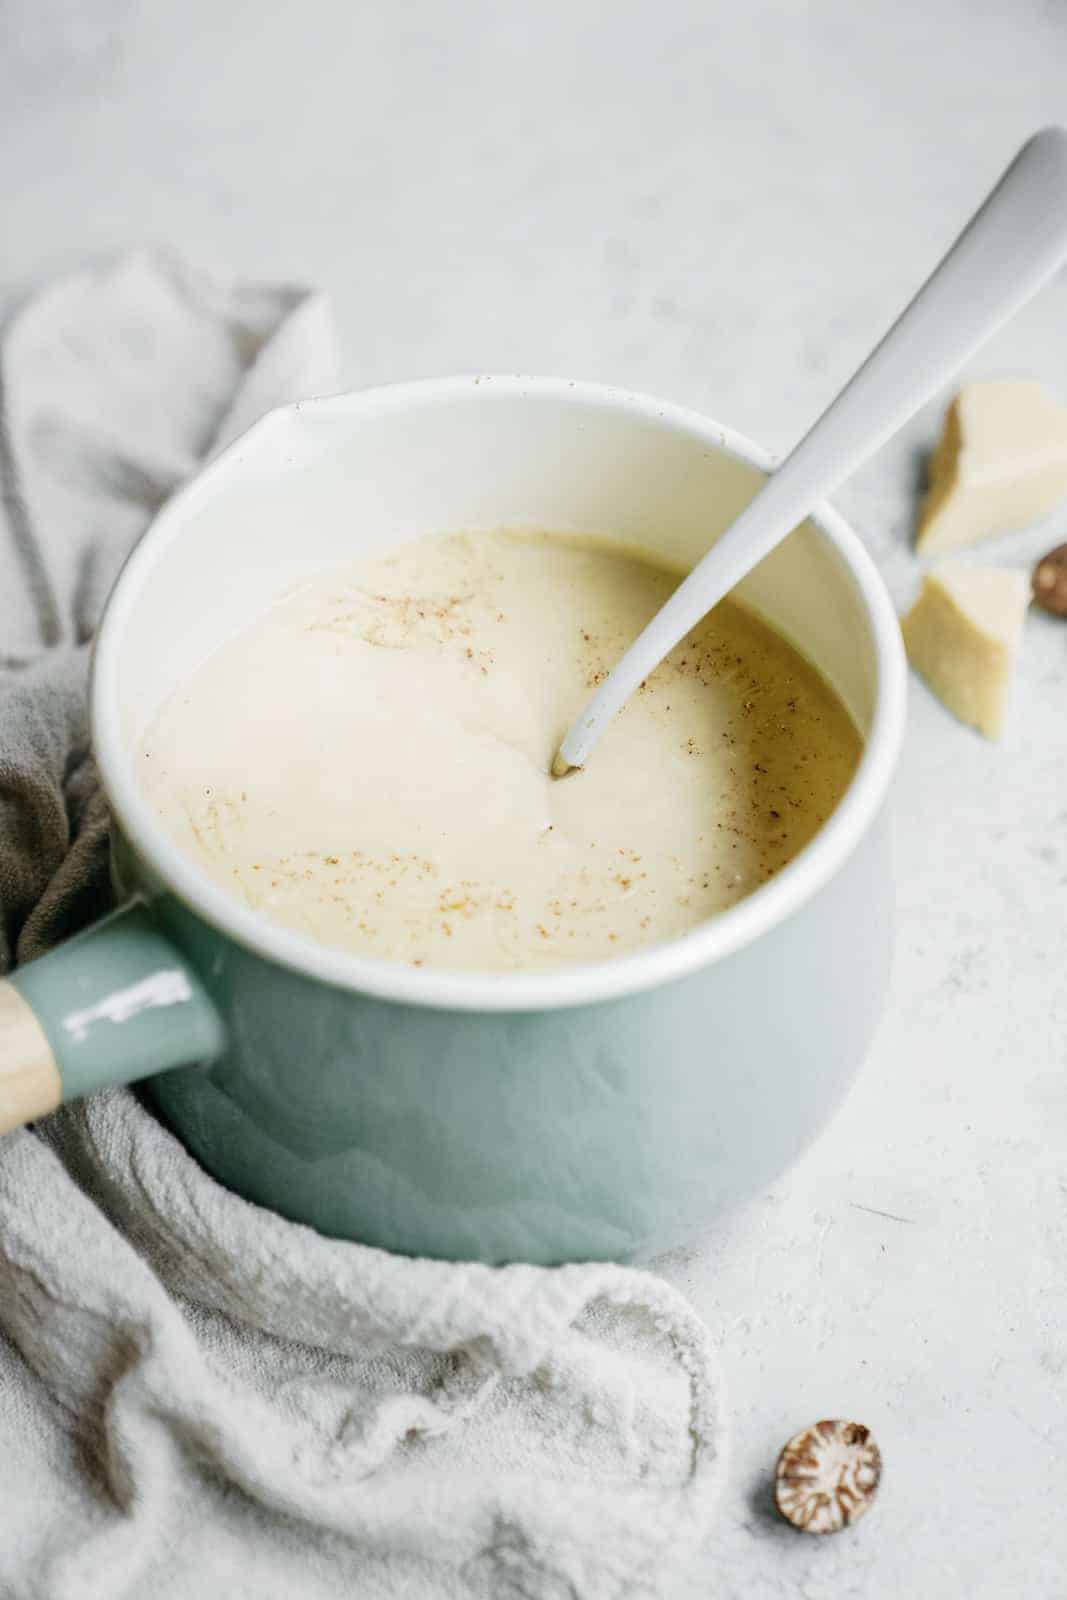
443,988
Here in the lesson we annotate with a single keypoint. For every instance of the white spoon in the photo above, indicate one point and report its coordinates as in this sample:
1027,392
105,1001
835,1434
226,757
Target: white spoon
1011,246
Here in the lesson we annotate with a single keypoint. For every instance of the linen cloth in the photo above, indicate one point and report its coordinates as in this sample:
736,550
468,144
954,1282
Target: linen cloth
196,1395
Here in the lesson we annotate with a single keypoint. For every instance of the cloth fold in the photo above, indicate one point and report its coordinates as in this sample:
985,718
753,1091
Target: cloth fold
195,1391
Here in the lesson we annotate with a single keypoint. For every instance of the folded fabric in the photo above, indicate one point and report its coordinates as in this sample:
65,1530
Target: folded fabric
197,1395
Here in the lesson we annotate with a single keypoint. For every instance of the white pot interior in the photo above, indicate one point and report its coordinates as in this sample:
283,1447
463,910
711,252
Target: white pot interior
320,484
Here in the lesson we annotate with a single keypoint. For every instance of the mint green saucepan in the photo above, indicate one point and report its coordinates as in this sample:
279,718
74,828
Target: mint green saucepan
593,1112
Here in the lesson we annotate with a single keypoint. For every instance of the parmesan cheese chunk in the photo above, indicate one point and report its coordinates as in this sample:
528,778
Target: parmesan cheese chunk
1001,464
962,635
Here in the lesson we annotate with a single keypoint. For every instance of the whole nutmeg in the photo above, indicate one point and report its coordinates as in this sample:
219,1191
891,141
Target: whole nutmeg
1050,581
827,1476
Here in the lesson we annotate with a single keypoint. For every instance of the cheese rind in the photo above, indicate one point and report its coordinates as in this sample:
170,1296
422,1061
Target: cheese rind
1000,465
962,636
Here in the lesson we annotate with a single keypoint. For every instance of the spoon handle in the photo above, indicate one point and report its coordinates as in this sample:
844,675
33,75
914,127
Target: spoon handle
1010,247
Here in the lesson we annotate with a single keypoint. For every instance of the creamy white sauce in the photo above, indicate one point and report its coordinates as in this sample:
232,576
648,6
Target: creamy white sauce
368,762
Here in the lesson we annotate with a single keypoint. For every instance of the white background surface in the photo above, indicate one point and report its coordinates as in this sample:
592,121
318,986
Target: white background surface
722,204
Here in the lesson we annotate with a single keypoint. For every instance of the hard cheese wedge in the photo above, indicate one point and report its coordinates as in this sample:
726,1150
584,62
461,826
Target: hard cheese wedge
1001,464
962,635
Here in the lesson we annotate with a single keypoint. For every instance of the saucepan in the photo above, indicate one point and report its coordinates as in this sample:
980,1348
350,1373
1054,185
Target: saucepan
596,1111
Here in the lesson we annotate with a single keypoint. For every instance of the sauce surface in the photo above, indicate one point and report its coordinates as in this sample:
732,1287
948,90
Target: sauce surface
367,763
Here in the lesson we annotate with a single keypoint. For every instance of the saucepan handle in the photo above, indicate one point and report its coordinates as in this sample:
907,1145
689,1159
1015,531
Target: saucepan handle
115,1003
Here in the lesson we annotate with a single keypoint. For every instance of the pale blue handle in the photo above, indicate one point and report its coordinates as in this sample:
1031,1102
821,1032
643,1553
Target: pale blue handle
119,1002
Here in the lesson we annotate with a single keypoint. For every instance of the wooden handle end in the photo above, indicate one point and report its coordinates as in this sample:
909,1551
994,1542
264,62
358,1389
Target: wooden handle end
30,1084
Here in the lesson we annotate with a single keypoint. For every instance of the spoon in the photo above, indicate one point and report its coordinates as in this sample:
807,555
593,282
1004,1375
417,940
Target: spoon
1011,246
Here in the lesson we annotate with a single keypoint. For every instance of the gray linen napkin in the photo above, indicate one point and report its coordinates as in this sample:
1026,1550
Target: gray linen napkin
197,1396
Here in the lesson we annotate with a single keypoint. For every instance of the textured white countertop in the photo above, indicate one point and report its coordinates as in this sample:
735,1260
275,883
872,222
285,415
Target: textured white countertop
723,205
